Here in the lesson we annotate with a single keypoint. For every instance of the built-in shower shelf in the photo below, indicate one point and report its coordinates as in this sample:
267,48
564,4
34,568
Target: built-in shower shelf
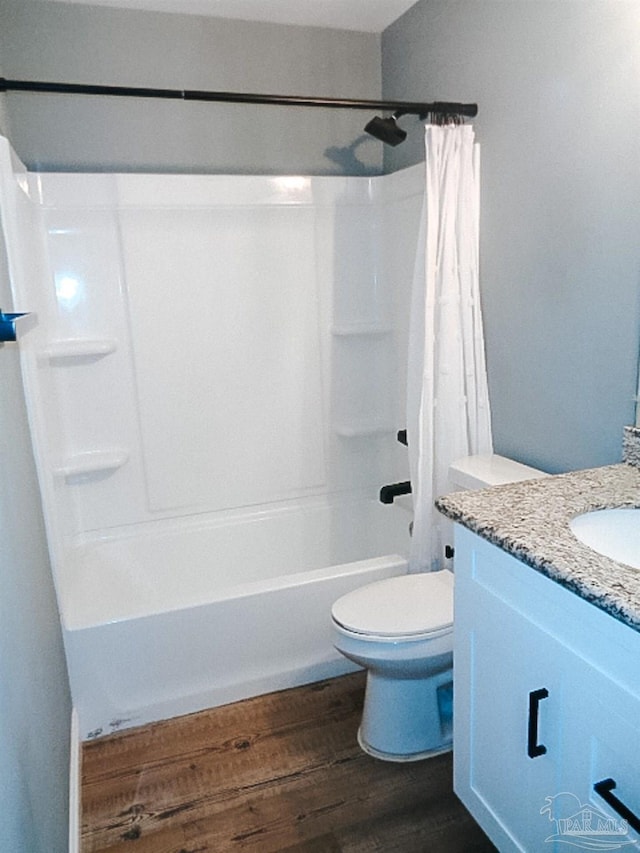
78,349
91,462
360,331
363,430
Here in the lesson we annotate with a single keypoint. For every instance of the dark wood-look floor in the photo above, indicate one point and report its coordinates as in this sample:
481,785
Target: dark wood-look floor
277,773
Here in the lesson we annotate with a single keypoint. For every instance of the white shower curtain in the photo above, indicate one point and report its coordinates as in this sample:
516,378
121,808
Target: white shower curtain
448,413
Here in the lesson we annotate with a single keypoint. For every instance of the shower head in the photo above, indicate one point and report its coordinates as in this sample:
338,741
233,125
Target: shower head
386,129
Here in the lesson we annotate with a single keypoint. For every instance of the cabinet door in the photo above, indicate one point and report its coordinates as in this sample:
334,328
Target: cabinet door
540,672
602,764
510,695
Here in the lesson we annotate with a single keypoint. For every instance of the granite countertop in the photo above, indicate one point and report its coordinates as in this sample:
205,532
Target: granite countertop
530,520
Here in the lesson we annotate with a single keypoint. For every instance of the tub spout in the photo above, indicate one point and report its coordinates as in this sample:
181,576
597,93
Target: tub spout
389,493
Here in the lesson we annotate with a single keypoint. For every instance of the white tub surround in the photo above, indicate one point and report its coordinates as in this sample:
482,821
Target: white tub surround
214,382
208,343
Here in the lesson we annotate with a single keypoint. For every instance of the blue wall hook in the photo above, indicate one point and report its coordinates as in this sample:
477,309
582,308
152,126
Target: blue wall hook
8,326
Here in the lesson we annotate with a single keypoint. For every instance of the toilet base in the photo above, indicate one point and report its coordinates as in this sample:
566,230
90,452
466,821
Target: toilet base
407,719
398,757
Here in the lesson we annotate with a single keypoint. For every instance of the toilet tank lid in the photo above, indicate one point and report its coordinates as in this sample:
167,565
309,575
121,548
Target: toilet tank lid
489,469
401,606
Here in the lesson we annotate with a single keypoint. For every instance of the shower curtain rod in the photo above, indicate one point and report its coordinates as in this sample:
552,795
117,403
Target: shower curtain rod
399,107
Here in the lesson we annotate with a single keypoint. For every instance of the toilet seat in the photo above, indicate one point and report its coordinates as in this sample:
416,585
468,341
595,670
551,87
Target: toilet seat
405,608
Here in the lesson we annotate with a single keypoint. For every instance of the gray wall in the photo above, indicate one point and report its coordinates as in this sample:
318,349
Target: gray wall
74,43
557,83
35,707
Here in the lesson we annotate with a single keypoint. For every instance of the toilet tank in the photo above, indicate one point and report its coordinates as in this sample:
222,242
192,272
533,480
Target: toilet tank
483,470
480,472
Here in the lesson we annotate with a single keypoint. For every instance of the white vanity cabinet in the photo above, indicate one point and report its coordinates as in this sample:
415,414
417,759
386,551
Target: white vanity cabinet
547,704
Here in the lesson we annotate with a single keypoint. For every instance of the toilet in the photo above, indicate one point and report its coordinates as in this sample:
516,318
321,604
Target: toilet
401,631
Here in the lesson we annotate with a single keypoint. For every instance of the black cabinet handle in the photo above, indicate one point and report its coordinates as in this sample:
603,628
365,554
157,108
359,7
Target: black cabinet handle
604,789
534,749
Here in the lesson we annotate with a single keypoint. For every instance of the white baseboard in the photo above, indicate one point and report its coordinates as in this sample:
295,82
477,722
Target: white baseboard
75,755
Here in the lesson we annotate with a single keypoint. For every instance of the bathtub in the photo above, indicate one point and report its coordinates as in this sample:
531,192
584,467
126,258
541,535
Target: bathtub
185,616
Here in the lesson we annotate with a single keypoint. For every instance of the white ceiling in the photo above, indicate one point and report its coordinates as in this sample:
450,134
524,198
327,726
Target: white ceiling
364,15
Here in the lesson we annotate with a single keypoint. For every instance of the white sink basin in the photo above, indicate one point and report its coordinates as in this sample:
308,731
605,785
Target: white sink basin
614,533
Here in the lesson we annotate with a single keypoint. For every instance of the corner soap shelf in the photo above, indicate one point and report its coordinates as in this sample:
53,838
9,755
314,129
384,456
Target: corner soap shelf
78,349
91,462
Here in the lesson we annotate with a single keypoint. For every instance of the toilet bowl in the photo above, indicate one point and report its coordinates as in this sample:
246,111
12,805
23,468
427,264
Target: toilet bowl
401,631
